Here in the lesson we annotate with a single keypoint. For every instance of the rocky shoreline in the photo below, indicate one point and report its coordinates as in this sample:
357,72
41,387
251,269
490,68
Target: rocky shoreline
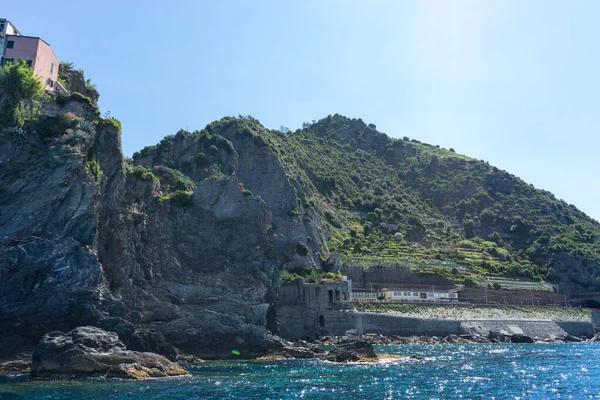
88,351
92,352
468,338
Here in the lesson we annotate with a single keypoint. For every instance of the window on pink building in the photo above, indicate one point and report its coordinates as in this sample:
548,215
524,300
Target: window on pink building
51,67
10,44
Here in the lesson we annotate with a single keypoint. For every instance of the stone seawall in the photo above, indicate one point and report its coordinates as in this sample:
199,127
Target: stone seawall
533,328
297,323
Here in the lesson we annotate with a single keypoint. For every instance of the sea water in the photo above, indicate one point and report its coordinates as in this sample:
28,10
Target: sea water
474,371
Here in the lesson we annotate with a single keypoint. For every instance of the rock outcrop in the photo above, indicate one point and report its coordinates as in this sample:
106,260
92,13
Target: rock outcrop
352,351
503,336
167,260
285,349
15,366
89,351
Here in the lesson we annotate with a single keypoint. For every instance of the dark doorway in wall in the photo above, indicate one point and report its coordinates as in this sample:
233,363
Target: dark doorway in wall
591,304
322,321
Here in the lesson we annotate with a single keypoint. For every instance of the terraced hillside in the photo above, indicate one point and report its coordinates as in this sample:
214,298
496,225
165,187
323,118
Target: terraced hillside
402,201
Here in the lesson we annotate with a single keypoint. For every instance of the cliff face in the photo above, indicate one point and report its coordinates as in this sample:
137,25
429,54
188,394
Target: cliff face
50,275
89,239
184,244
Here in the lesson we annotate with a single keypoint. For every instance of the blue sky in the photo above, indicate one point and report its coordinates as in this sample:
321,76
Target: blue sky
515,83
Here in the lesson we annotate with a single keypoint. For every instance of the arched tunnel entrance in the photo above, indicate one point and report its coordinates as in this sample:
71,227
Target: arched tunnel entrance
591,304
321,321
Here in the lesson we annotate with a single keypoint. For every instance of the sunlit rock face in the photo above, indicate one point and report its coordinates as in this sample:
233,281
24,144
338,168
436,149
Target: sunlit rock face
188,247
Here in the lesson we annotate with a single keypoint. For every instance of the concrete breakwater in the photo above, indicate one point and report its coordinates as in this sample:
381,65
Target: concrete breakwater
298,323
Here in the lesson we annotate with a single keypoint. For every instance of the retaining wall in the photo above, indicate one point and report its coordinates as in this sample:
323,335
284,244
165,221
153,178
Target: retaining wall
518,297
385,277
576,328
300,323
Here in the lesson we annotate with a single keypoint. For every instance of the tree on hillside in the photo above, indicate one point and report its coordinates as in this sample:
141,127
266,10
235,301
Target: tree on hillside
89,85
67,66
469,229
20,94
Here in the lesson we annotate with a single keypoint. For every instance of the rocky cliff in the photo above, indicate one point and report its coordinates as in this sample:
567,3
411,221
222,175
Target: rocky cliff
184,244
90,239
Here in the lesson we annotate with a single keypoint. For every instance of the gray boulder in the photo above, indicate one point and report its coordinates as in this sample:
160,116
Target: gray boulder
285,349
90,351
517,338
572,339
358,350
502,336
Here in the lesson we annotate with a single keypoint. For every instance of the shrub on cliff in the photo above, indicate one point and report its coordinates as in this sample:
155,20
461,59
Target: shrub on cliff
288,279
145,174
181,197
109,123
20,94
302,249
333,219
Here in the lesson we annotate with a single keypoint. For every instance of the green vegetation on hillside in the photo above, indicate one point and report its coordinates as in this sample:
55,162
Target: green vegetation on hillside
400,201
449,209
381,201
20,94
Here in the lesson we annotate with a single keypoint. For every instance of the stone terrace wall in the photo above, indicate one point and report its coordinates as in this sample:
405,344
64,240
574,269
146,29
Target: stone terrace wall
533,328
387,277
513,297
297,323
301,323
576,328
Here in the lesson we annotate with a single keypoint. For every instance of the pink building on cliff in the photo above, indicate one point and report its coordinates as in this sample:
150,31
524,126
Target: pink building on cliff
35,51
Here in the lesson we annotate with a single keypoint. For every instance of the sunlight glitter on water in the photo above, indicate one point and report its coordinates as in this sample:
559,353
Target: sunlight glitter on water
446,371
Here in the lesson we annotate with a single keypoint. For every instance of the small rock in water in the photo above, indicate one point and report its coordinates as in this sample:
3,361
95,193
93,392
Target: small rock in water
358,350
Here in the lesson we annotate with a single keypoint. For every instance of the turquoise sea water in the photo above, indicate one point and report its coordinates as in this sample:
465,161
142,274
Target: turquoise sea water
539,371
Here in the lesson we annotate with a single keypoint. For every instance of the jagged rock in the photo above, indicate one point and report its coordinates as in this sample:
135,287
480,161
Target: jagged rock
501,336
151,340
352,333
521,339
358,350
91,351
15,366
572,339
284,349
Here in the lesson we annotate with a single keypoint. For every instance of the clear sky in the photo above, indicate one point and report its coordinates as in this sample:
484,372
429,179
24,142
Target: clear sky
515,83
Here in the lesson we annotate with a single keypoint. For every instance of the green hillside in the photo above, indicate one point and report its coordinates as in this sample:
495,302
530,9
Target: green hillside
448,207
455,215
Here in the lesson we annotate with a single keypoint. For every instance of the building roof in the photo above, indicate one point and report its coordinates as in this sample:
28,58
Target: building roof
38,38
29,37
13,25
